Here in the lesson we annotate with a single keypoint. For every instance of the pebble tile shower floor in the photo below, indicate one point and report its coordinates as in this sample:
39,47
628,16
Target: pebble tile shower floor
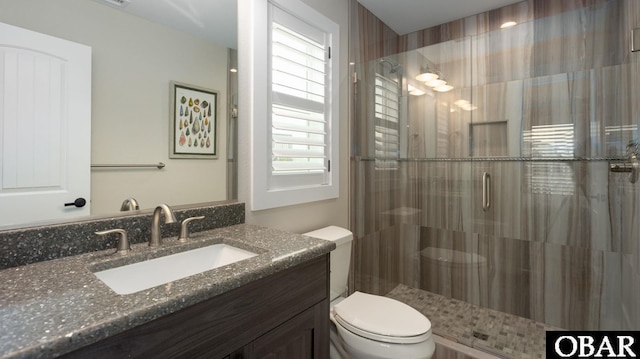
487,330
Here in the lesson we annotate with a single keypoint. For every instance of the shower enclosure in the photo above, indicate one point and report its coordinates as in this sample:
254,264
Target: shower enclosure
498,189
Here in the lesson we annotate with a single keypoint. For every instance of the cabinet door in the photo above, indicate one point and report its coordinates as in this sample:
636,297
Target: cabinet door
299,338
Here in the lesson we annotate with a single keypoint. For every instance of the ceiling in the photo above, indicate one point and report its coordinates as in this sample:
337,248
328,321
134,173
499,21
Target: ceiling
212,20
405,16
215,20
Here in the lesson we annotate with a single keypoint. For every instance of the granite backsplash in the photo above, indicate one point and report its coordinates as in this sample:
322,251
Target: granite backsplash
41,243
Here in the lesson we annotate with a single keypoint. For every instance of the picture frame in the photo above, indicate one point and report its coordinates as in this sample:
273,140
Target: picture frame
193,122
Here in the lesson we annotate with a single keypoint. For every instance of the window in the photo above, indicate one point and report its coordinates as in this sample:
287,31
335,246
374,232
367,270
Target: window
296,160
387,112
554,142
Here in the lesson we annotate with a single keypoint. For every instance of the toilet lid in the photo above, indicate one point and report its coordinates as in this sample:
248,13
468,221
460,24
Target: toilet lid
381,318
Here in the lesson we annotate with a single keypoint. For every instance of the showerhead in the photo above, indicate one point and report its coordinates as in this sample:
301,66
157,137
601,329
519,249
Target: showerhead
394,67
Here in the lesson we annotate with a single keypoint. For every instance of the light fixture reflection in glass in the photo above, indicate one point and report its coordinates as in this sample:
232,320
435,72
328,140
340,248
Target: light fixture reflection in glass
233,70
443,88
436,83
427,76
465,105
508,24
414,91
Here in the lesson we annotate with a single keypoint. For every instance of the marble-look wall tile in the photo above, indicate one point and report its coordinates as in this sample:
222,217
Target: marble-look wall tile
371,37
473,25
387,258
560,243
503,216
489,271
445,195
577,35
503,55
629,194
444,352
507,279
580,289
568,203
563,286
556,108
630,310
451,266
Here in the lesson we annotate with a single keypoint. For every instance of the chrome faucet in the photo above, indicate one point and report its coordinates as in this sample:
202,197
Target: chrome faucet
169,217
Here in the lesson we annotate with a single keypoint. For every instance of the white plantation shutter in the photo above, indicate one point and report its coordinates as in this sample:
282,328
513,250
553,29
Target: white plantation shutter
298,142
387,112
300,112
555,142
297,160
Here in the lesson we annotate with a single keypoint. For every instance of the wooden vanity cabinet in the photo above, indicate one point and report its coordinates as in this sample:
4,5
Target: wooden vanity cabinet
284,315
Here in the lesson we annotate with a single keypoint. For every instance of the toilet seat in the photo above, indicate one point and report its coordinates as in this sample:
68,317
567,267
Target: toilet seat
382,319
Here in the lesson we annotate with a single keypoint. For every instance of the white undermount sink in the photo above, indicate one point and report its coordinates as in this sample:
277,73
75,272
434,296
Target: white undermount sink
139,276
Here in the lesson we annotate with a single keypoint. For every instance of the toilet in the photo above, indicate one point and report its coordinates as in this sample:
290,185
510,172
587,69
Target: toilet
366,325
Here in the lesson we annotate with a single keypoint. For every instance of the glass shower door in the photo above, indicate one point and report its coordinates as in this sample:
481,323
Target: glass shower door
498,191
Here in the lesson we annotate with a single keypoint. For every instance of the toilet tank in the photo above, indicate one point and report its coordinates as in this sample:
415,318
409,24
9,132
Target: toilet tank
340,257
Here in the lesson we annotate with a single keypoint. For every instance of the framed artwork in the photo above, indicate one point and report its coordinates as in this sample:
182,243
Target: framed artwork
194,130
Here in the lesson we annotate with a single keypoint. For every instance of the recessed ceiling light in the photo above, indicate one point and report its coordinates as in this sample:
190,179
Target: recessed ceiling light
508,24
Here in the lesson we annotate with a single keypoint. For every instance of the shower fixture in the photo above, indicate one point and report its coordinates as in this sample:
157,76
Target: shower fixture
631,165
394,67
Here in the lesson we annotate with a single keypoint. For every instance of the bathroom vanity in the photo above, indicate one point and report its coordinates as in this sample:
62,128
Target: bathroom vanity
286,312
274,302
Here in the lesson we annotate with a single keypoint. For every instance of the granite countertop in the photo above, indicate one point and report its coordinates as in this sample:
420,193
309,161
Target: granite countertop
54,307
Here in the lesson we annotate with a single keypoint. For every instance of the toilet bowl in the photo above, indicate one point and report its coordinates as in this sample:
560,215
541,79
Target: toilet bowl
371,326
366,325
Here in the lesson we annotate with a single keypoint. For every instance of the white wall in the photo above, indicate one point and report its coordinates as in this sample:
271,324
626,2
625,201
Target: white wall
134,61
298,218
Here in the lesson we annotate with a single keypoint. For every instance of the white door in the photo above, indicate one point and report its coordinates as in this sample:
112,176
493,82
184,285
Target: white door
45,127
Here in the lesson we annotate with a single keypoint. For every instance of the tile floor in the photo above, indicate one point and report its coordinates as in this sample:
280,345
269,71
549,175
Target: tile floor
487,330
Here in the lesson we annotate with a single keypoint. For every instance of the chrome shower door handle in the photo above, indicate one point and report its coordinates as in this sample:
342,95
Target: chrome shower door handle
486,191
635,169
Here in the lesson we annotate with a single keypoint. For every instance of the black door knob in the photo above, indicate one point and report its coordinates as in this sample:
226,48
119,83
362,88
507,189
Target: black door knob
79,202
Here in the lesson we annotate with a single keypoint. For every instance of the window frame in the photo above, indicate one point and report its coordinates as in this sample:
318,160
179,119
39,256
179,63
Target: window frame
290,192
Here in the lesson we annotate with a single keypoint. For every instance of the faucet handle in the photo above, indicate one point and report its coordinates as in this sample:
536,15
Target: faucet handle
123,242
184,229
